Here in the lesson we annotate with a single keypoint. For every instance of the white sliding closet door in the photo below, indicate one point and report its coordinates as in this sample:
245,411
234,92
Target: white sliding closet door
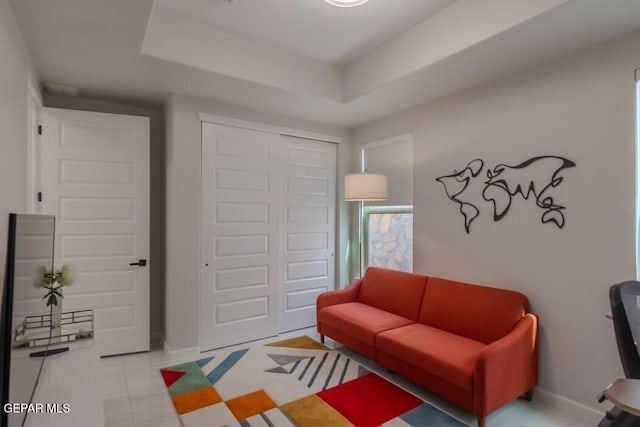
241,251
309,195
268,224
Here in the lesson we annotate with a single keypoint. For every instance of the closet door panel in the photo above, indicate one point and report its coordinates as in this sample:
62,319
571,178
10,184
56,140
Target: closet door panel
309,203
241,235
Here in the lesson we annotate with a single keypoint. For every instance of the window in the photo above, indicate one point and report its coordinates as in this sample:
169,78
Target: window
388,234
387,227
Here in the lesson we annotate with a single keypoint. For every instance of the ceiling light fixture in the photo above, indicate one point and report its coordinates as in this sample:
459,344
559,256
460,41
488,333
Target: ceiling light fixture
346,3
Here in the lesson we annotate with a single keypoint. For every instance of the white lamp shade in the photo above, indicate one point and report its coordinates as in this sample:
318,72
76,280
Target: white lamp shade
365,187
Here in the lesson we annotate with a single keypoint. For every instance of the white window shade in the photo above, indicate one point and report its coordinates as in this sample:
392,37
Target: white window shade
392,157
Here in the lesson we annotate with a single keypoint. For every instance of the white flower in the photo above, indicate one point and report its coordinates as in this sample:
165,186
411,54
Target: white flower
67,275
38,277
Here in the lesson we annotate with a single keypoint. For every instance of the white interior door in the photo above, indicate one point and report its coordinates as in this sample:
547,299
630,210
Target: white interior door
241,235
95,179
308,228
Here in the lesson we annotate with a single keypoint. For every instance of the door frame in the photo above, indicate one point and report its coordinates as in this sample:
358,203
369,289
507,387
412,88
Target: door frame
269,128
32,170
264,127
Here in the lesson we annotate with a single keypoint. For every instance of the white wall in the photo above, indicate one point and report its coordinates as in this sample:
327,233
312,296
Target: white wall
581,107
183,182
14,72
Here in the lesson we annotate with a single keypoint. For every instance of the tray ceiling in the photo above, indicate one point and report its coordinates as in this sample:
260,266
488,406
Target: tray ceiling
305,58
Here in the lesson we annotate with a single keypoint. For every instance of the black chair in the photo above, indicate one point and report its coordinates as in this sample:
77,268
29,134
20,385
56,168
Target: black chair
625,310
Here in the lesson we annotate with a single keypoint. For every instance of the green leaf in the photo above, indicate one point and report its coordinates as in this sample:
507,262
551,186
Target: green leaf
52,300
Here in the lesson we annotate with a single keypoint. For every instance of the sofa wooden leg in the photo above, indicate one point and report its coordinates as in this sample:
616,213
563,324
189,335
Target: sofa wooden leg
322,339
528,396
481,421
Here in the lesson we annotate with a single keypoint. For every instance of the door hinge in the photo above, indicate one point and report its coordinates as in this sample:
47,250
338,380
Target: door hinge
39,196
39,129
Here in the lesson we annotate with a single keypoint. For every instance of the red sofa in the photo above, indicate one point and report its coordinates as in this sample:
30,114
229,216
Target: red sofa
473,345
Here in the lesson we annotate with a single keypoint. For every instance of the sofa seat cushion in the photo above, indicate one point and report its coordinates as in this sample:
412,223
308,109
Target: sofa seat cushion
361,321
441,353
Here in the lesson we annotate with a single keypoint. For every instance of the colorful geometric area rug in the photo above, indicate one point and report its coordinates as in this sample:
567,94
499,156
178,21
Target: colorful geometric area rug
297,382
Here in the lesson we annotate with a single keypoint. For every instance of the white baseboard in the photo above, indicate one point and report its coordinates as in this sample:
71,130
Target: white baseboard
575,409
180,354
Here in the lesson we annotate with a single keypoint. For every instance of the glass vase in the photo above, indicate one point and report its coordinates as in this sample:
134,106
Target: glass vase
56,321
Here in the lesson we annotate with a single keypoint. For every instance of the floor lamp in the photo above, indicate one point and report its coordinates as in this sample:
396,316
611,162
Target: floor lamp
364,187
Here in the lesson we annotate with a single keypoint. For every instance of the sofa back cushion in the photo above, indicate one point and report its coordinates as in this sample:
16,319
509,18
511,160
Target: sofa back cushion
477,312
394,291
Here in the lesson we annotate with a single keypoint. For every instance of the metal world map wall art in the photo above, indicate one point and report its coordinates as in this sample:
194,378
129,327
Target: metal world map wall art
532,179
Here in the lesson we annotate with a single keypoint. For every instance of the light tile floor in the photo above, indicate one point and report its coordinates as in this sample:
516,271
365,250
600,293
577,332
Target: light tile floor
135,395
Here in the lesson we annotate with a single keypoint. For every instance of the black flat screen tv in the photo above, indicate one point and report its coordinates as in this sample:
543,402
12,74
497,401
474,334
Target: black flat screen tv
30,244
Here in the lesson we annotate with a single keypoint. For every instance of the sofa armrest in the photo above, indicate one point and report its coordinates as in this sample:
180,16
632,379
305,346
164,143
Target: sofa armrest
340,296
507,368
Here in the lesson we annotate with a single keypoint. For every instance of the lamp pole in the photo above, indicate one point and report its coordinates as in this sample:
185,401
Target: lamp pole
361,237
363,187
